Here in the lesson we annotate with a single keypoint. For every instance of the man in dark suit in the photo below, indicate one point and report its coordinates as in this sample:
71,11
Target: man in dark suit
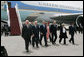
71,32
35,38
31,27
26,34
60,36
6,28
63,34
2,30
53,31
43,31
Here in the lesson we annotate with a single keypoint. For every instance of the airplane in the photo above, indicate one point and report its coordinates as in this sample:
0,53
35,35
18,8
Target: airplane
48,10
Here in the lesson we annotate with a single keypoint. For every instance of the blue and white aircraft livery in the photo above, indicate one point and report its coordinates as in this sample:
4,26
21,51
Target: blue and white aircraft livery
52,9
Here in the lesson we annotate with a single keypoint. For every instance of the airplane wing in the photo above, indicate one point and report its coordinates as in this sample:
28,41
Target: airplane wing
69,18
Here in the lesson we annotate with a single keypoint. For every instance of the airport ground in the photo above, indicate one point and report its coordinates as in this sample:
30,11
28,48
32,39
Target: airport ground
15,47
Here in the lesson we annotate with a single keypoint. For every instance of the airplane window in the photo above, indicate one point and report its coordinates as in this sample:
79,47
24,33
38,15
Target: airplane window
56,5
47,4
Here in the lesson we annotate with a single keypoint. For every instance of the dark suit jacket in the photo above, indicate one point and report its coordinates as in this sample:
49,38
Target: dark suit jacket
6,28
72,30
43,29
26,32
31,27
53,29
35,31
62,35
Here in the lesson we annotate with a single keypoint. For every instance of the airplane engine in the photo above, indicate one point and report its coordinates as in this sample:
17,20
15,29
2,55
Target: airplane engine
79,21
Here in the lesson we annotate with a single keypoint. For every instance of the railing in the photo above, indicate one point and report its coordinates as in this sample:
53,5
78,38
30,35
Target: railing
8,15
19,19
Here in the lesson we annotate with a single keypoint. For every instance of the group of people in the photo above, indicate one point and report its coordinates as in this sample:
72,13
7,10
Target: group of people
34,33
5,30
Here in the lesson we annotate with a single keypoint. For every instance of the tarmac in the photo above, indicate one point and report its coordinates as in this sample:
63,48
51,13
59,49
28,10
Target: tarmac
15,46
